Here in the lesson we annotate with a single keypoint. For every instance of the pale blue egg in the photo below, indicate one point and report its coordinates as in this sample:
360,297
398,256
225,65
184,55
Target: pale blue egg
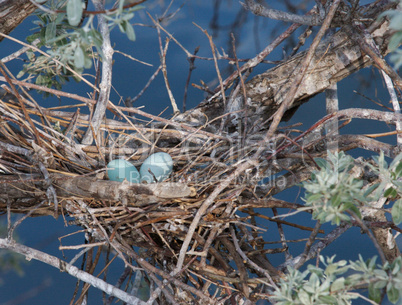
120,169
160,164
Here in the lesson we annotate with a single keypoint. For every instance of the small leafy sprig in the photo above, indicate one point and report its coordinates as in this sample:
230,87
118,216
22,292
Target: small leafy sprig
395,17
68,42
332,191
330,285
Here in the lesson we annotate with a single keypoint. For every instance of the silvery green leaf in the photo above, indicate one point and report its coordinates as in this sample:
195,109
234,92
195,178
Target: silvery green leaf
396,20
396,212
374,294
60,17
79,58
128,16
398,169
87,62
129,31
396,58
392,293
74,12
50,31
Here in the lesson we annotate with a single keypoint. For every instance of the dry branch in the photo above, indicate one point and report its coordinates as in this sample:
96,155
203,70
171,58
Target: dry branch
336,58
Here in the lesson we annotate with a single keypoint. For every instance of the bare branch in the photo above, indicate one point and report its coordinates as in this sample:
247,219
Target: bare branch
106,81
31,253
260,10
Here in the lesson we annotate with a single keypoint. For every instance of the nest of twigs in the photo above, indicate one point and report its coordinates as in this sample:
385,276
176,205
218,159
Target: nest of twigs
45,171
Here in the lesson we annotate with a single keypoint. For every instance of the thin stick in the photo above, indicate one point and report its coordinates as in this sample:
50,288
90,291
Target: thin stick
130,102
191,68
287,102
249,261
395,104
106,82
63,266
164,72
212,45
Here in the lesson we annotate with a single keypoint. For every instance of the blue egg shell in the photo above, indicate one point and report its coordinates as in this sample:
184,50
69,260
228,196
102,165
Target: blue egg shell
120,169
160,164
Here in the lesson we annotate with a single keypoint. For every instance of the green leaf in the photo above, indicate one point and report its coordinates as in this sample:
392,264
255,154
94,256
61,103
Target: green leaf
129,31
322,163
371,189
396,212
374,294
88,63
338,284
41,80
396,58
398,170
74,12
390,193
50,31
392,293
79,58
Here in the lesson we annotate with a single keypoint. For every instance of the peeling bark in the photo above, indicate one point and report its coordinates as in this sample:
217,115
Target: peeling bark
12,13
336,58
23,194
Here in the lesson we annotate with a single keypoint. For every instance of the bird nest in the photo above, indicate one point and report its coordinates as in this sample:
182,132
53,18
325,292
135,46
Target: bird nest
189,224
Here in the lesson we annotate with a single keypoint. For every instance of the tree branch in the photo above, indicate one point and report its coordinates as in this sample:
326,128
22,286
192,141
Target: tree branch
260,10
63,266
106,82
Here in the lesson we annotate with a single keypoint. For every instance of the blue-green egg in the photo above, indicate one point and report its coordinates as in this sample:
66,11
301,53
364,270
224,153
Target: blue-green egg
160,164
120,169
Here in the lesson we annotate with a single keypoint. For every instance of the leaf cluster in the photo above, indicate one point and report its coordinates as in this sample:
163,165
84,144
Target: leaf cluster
333,283
395,17
335,194
69,43
333,191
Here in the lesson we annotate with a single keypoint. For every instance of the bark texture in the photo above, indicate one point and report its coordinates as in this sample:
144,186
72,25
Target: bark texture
336,58
12,13
22,194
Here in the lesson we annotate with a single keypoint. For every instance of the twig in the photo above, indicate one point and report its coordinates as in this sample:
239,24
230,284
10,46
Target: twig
332,105
31,253
261,56
249,261
164,72
33,47
287,102
21,51
49,90
395,104
368,46
308,245
366,230
21,101
317,248
260,10
213,49
282,235
130,102
106,81
200,213
191,68
11,228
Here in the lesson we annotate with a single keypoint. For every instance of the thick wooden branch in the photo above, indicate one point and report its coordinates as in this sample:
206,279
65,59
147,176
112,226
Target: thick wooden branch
12,13
132,193
23,194
336,58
